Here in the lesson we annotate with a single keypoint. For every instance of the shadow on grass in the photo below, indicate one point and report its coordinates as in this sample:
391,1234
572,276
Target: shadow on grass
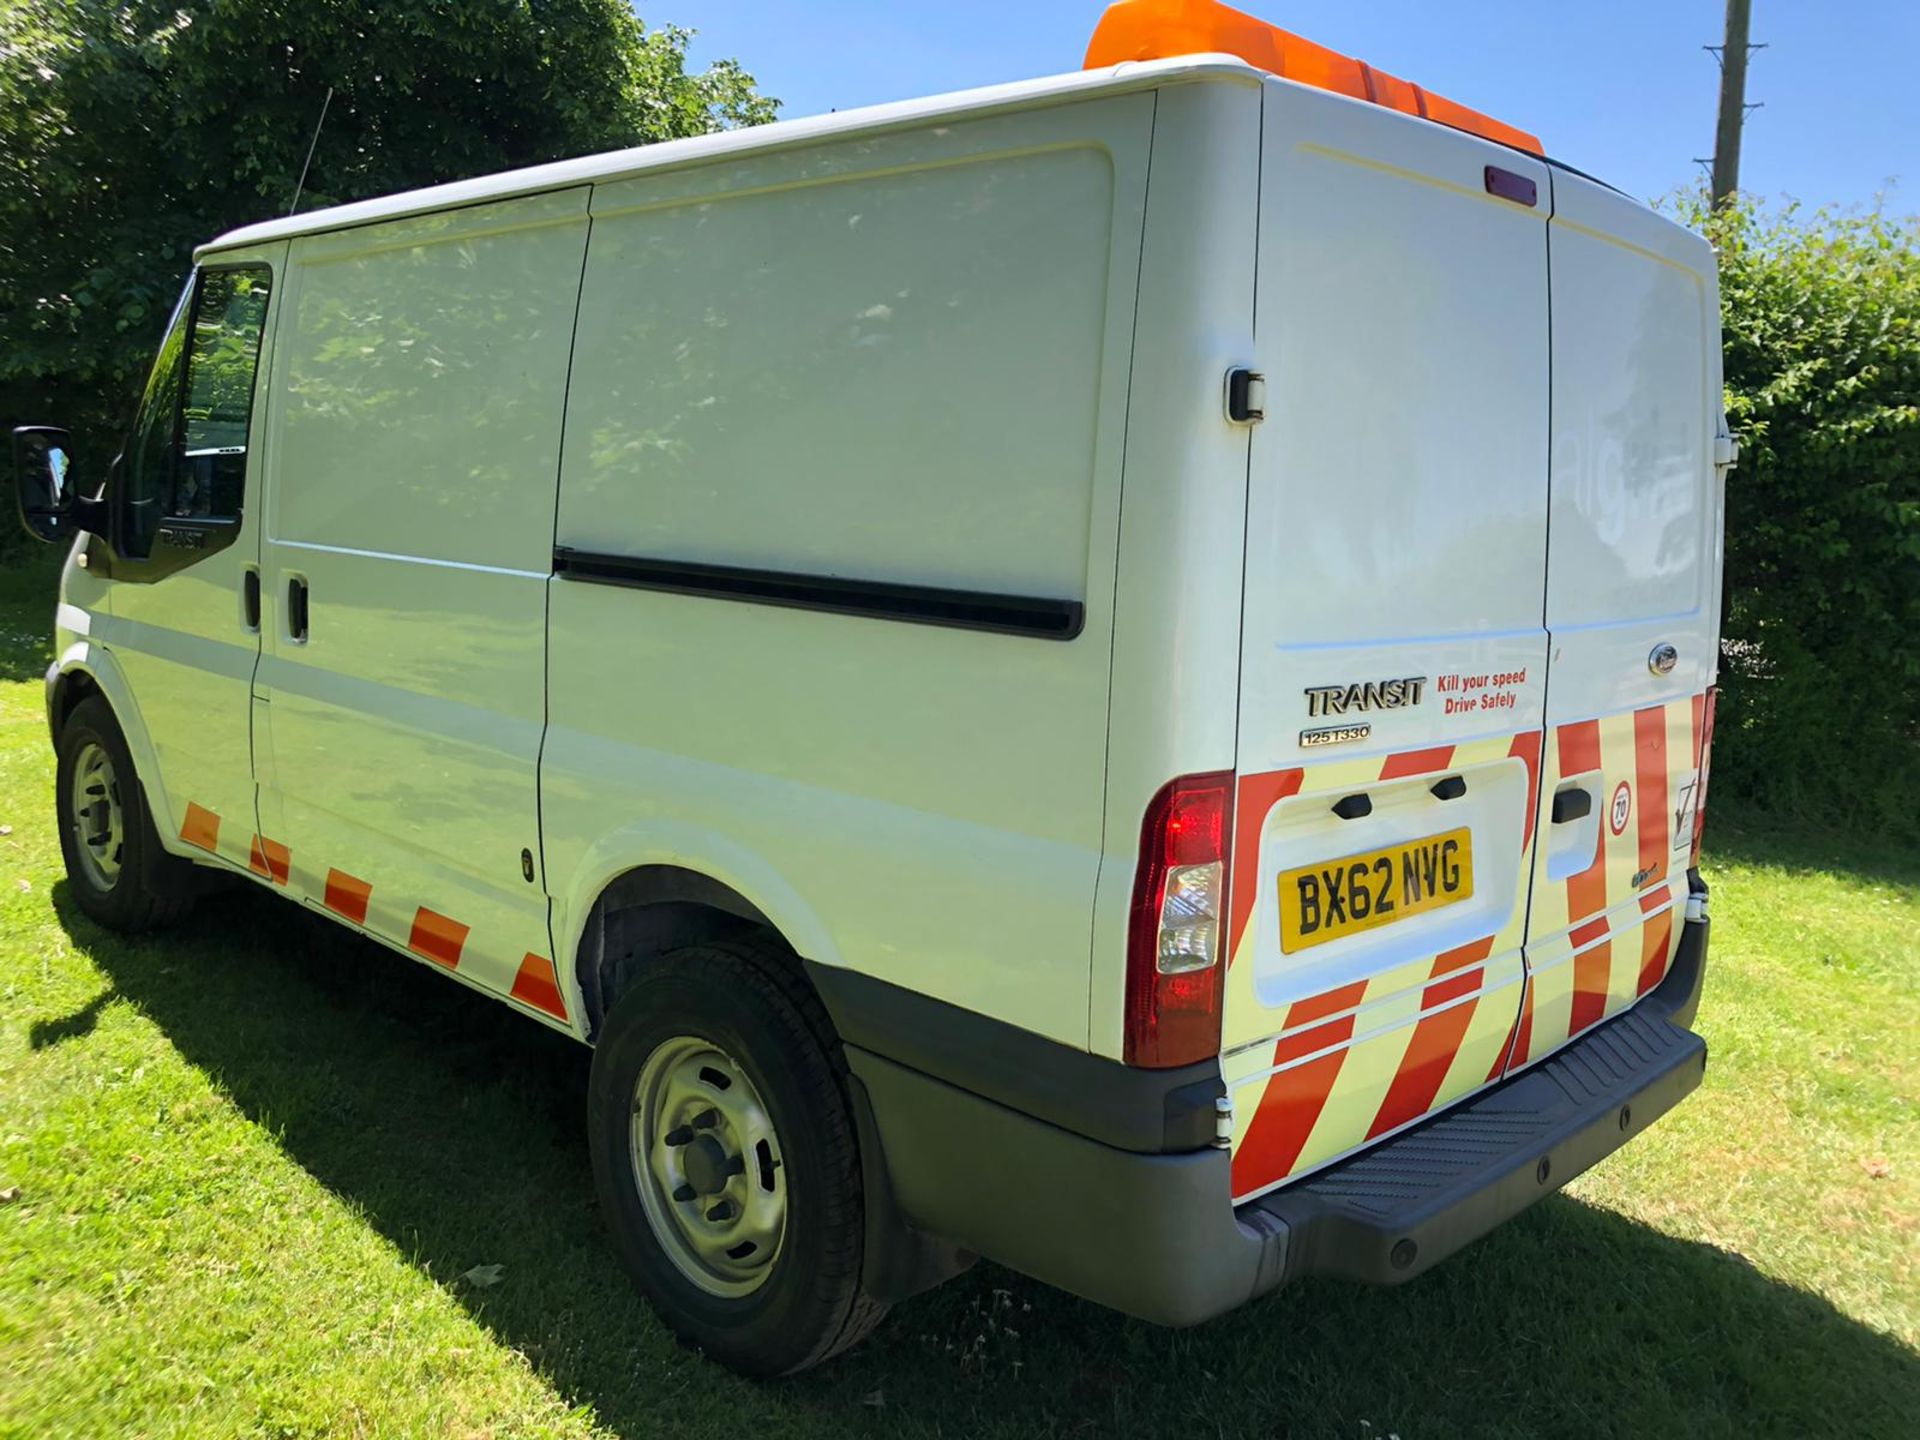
1741,833
455,1128
29,589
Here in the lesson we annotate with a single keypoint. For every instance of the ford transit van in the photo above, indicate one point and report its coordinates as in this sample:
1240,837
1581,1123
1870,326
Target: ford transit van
1113,673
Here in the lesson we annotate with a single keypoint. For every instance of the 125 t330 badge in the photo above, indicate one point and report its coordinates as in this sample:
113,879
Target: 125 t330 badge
1358,696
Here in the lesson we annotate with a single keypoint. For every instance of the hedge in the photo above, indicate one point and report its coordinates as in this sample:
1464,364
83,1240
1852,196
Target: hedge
1819,709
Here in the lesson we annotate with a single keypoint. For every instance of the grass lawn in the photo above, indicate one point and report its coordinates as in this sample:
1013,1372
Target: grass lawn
255,1157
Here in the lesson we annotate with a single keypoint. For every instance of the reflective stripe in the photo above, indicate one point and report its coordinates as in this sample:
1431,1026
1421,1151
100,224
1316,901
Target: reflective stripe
536,985
347,895
437,937
270,860
201,828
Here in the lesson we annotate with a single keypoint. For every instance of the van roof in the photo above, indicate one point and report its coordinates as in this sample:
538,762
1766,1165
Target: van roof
620,164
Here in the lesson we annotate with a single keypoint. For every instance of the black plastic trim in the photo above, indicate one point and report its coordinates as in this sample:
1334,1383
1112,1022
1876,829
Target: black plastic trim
1156,1236
1037,617
1394,1211
1124,1106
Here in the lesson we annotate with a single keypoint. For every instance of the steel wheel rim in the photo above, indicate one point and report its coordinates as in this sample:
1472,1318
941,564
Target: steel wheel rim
708,1166
95,816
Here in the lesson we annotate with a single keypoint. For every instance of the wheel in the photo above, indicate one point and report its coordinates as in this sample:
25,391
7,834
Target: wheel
726,1158
118,871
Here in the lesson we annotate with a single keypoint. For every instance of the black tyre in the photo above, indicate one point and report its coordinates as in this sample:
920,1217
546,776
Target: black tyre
119,874
726,1158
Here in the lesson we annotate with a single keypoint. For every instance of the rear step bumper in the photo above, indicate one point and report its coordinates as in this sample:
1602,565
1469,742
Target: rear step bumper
1153,1235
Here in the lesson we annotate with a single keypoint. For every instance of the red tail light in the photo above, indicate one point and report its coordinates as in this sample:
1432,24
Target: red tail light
1706,762
1178,932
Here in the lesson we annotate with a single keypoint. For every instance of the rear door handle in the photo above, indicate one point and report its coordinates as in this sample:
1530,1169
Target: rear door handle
250,597
1571,805
297,607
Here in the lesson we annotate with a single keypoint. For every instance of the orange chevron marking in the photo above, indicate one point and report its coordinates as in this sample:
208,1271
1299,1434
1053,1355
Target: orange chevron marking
536,985
347,895
1257,796
201,828
1416,762
1655,940
1650,780
1279,1130
1522,1048
270,859
1436,1040
437,937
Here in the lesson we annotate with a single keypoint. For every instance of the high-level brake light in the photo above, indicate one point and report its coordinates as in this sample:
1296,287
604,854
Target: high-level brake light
1161,29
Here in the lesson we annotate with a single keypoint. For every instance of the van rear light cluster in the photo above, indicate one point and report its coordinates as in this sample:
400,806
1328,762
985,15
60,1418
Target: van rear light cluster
1175,939
1700,793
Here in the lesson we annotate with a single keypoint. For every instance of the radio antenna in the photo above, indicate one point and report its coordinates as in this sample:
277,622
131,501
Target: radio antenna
311,146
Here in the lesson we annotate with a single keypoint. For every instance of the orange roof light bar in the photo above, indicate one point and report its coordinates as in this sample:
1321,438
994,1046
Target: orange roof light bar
1160,29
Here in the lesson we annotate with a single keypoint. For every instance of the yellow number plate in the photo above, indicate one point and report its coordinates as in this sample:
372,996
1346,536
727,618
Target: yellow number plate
1323,902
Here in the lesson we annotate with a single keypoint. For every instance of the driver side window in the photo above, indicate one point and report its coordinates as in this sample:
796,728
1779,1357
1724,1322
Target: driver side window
188,460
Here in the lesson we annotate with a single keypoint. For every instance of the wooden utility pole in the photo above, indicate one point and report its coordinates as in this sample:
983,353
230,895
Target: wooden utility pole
1733,103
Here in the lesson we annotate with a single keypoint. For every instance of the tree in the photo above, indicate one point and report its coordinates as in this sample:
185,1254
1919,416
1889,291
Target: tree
132,131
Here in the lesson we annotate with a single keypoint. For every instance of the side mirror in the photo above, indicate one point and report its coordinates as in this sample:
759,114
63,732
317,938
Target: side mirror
43,484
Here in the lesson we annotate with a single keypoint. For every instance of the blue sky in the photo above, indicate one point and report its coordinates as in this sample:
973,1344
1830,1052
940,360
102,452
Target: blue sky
1620,89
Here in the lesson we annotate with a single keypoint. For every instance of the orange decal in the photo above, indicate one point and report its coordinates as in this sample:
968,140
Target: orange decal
1650,775
437,938
270,860
1653,950
201,827
535,985
1591,971
348,896
1436,1040
1459,958
1462,982
1327,1002
1279,1129
1416,762
1258,795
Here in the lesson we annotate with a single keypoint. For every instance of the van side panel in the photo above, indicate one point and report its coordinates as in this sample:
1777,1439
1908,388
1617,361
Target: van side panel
1396,533
902,361
414,454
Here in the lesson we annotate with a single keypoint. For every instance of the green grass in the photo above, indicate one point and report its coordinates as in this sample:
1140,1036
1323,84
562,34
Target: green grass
255,1156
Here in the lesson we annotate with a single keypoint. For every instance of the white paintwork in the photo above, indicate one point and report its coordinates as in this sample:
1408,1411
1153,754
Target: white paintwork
900,360
975,341
1397,511
414,448
924,114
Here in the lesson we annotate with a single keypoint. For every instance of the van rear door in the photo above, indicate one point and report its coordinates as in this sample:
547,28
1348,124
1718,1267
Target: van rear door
1393,653
1633,586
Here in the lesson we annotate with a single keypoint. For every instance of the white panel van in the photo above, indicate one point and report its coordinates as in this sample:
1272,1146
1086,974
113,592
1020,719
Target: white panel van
1113,673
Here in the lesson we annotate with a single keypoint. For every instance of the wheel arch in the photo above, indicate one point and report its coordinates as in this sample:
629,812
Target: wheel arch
644,899
84,669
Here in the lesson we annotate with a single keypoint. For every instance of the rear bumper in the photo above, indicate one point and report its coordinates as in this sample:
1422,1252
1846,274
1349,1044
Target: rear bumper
1156,1235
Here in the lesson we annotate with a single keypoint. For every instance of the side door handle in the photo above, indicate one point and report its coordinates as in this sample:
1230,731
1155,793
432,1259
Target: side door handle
297,607
250,597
